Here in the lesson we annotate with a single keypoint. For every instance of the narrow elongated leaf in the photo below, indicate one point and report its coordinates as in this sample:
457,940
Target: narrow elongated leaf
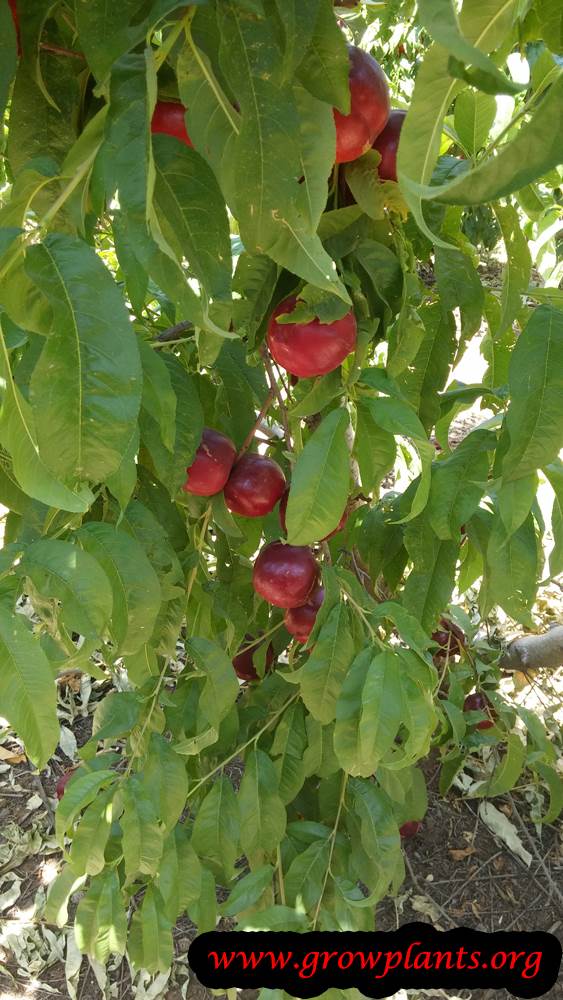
142,839
66,883
216,831
87,854
192,214
422,380
105,32
64,572
165,780
8,54
458,483
179,873
429,587
319,486
262,812
325,66
289,745
304,879
512,571
507,772
248,890
149,943
27,689
459,285
518,267
19,436
554,473
369,712
322,675
535,417
474,115
221,686
86,385
136,590
398,418
440,19
81,790
100,925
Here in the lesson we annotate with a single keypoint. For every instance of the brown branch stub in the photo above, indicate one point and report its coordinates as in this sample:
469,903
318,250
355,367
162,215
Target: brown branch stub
173,332
532,652
263,410
58,50
275,389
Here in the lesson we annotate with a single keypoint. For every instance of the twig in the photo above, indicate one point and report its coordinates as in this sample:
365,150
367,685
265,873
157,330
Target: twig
275,389
538,857
257,425
172,332
38,784
58,50
424,891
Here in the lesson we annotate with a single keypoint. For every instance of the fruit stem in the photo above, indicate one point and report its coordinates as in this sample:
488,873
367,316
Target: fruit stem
280,401
263,411
58,50
239,750
199,547
172,38
260,639
281,882
332,841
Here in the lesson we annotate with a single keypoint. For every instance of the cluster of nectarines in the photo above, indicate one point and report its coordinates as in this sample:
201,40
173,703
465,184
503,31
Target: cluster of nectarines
286,576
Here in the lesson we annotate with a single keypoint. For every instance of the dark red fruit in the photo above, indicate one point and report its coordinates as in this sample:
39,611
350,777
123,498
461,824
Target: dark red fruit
369,108
16,20
300,621
212,464
254,486
478,702
283,507
410,829
63,782
387,144
285,575
244,662
449,637
309,349
168,117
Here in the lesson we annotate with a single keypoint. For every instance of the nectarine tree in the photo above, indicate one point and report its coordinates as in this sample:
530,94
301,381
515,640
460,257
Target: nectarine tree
239,269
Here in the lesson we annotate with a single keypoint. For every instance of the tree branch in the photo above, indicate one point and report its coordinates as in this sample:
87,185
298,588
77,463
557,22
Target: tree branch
281,403
532,652
172,332
257,425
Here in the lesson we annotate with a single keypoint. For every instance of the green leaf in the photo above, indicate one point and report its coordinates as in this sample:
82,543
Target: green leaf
192,215
430,584
369,711
248,891
553,781
318,394
535,417
325,66
158,397
319,486
100,925
530,155
459,285
179,873
518,267
39,127
105,32
485,26
512,571
285,134
378,829
165,780
86,385
87,854
274,918
60,891
474,115
288,747
305,876
149,944
458,483
422,380
116,714
262,812
398,418
203,912
506,773
8,54
554,473
27,689
142,835
63,572
217,830
515,500
440,19
19,436
136,590
322,675
374,448
221,688
81,790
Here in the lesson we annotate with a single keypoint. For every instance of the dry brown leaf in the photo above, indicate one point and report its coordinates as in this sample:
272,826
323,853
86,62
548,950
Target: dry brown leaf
12,756
459,853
